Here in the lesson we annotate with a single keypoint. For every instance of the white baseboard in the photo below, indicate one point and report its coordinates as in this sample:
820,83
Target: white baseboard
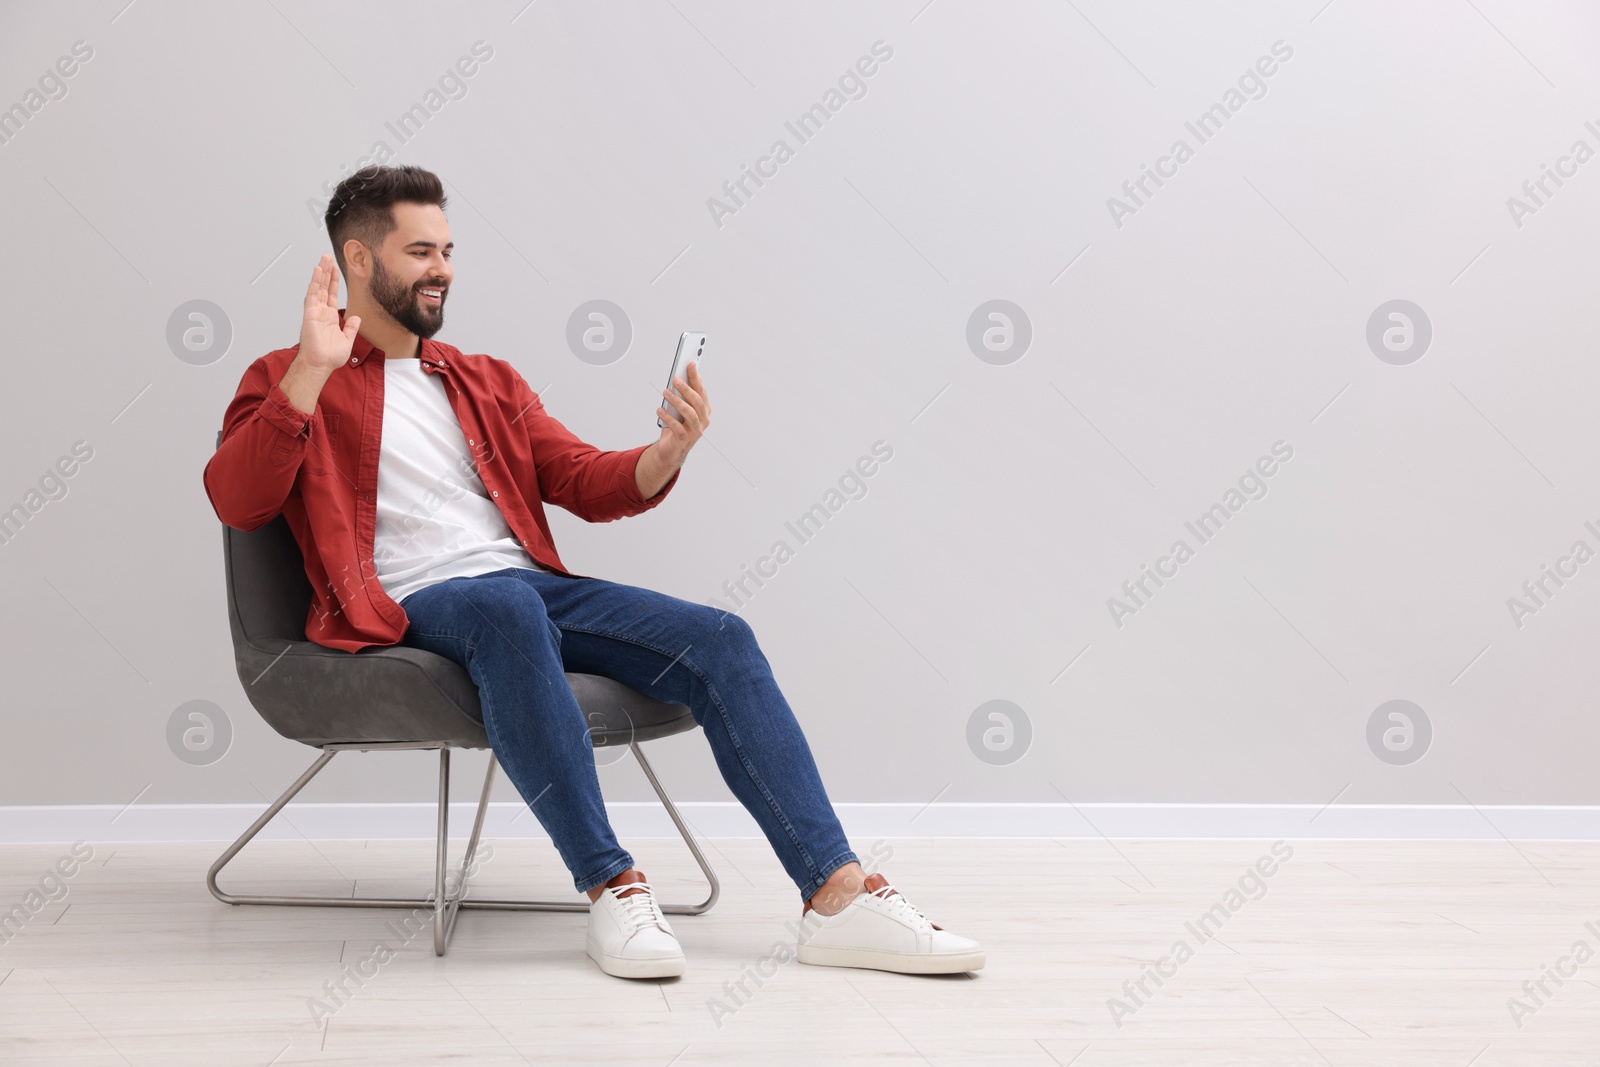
96,823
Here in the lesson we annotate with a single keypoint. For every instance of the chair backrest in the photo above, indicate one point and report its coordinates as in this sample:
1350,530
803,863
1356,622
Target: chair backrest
268,592
320,696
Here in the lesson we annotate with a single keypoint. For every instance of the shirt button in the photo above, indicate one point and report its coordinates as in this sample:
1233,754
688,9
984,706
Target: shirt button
497,492
352,359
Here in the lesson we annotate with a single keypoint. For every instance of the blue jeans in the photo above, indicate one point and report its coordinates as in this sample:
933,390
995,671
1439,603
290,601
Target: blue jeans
517,631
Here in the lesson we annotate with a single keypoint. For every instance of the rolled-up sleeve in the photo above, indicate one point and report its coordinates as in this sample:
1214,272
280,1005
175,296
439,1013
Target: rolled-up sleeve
264,441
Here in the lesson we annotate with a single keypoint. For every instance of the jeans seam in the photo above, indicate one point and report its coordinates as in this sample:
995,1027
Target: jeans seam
412,631
815,885
722,712
608,874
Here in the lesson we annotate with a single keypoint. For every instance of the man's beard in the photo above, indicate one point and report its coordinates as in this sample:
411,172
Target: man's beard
404,304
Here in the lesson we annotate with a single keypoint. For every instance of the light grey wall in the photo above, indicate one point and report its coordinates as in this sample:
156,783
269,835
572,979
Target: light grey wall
1172,347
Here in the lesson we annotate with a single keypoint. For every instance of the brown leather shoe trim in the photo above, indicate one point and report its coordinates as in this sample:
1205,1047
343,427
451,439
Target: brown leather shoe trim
628,877
872,883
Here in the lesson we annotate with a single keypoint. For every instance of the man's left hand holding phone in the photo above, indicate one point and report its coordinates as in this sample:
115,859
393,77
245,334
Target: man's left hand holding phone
684,415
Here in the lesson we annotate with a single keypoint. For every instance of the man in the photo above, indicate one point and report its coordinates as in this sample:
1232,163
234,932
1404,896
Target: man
414,478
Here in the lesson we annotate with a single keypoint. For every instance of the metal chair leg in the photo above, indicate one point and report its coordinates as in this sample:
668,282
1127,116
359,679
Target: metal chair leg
445,906
442,857
688,839
255,828
562,905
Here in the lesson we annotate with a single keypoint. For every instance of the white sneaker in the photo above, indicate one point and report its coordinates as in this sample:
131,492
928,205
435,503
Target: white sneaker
629,937
880,929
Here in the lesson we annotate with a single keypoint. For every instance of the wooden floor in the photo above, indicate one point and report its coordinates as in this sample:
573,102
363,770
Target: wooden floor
1349,953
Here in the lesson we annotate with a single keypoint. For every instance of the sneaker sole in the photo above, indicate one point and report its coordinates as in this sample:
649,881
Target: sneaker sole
627,967
900,962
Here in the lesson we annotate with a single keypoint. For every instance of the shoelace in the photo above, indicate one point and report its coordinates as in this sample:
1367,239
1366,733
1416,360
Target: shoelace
896,900
639,909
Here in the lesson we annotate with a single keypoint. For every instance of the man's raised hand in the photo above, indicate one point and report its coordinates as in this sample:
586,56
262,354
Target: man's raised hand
324,345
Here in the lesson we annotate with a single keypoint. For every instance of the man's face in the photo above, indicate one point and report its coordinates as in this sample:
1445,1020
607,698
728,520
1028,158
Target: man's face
414,264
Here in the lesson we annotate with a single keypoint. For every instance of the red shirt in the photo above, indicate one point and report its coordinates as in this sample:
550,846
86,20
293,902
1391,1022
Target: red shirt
321,471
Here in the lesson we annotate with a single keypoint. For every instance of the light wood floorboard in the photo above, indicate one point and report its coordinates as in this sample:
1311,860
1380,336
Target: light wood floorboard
1355,953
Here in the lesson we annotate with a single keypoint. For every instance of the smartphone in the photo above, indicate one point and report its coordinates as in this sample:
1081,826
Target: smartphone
690,346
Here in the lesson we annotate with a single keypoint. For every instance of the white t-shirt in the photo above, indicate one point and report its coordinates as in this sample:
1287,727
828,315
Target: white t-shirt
435,519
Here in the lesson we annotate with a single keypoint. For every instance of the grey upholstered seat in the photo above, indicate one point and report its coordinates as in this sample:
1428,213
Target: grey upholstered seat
319,695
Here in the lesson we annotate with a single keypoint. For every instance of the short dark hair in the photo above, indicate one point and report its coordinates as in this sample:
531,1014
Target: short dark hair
362,205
